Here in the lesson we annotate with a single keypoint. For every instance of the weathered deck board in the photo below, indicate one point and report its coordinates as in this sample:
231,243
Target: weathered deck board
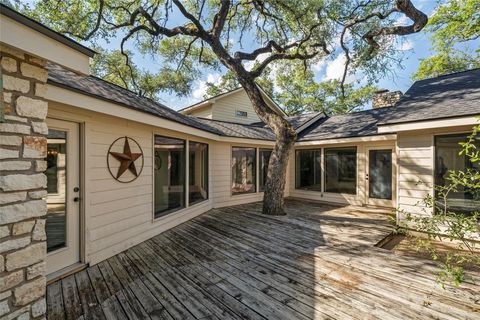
318,262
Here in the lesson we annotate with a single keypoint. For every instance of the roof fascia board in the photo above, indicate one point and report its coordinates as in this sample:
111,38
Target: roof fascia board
209,100
24,38
384,137
212,100
431,124
311,121
26,21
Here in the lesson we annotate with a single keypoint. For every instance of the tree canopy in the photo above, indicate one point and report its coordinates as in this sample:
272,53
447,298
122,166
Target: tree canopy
361,30
294,87
454,25
247,37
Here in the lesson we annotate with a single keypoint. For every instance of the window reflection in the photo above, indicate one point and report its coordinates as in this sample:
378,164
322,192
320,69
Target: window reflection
243,170
307,169
263,164
198,172
55,226
448,158
169,175
341,170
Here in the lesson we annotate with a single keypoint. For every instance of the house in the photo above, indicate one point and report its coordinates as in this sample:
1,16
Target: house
89,169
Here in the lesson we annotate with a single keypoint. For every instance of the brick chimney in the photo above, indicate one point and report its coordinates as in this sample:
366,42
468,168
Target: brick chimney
385,98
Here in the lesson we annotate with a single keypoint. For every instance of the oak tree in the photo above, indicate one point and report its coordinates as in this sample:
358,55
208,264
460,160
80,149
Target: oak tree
239,32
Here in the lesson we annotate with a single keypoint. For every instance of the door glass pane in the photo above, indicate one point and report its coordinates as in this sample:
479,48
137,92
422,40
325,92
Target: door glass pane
243,170
380,174
56,187
263,163
341,170
169,175
307,169
198,172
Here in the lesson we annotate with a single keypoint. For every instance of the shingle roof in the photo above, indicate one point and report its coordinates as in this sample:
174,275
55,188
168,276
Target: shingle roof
446,96
298,121
99,88
362,123
451,95
232,129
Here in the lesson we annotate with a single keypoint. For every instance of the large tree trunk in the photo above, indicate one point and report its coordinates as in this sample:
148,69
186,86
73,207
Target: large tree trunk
273,199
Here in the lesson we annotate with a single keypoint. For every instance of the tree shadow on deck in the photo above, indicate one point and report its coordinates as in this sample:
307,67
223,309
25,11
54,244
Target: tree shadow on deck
317,262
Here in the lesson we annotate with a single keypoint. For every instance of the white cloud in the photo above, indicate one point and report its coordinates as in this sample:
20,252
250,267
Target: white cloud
334,68
406,45
201,86
260,58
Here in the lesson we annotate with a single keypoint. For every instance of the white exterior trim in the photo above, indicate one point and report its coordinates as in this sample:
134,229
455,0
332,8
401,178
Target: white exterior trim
384,137
35,43
432,124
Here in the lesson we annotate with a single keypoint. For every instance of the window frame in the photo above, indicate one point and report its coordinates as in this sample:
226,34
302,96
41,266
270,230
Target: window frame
207,173
241,113
325,170
435,149
254,171
167,213
259,168
320,149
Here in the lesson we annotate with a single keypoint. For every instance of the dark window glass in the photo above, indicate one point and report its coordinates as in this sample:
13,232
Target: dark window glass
264,155
380,174
240,113
243,170
169,175
198,172
341,170
307,169
448,158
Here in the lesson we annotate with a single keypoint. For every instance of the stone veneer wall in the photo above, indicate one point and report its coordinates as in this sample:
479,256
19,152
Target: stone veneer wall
23,147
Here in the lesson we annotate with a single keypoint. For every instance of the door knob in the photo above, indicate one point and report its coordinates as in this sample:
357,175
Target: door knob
76,189
76,199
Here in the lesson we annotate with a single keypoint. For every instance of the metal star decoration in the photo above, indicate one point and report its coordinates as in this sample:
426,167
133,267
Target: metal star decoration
127,160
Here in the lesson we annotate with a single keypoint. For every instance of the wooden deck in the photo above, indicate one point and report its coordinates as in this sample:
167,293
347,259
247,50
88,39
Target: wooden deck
234,263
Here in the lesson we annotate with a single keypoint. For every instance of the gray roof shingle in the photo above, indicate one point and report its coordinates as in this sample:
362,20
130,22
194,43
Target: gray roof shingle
99,88
231,129
357,124
442,97
451,95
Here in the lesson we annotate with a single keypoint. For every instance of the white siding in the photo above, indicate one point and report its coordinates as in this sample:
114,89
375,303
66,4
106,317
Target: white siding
415,179
118,215
205,112
225,107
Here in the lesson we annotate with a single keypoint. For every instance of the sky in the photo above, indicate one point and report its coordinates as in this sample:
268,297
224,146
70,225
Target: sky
415,47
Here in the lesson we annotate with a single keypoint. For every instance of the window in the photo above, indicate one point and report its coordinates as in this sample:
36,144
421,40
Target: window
198,172
169,175
243,170
447,157
307,169
264,155
242,114
341,170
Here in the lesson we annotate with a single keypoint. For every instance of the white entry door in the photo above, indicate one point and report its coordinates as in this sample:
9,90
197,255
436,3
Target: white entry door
380,182
63,198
